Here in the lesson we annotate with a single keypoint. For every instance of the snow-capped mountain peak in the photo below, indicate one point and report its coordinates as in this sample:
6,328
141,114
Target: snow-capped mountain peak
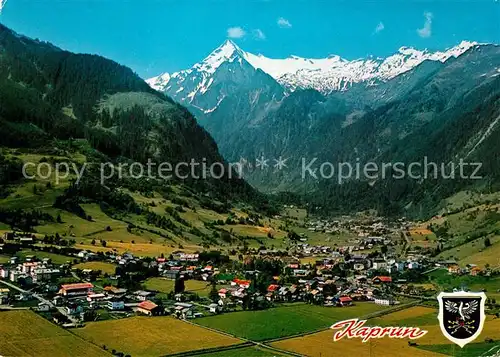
228,51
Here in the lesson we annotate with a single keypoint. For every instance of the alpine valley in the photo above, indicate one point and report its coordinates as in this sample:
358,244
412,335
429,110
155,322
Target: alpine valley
442,106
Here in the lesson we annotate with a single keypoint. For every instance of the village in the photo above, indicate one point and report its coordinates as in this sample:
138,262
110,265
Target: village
371,269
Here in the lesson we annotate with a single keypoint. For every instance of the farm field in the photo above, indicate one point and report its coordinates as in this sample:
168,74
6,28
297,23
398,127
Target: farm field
23,333
432,344
254,231
152,336
285,320
245,352
413,316
202,288
56,258
102,266
422,234
473,349
139,249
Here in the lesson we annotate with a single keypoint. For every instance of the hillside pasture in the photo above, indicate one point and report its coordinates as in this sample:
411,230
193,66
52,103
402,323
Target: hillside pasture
447,282
485,255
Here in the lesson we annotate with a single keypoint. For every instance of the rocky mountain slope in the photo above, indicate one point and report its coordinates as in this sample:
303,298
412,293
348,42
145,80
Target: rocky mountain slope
409,105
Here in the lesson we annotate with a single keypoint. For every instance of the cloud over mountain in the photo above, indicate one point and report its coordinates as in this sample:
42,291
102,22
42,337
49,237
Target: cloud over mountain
426,31
235,32
284,23
380,27
259,34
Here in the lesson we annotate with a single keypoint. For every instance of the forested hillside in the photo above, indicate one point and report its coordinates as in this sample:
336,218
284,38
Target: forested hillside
57,102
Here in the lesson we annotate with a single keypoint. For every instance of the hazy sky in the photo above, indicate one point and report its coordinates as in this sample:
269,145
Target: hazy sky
155,36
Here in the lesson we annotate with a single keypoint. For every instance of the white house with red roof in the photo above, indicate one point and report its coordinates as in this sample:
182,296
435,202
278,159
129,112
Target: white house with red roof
78,289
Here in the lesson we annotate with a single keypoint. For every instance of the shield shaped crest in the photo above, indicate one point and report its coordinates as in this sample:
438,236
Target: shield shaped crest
461,316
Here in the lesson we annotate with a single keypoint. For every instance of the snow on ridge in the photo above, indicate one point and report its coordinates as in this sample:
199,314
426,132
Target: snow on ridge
277,68
336,73
217,57
160,82
2,5
323,74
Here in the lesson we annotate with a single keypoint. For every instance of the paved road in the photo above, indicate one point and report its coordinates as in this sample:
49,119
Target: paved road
61,309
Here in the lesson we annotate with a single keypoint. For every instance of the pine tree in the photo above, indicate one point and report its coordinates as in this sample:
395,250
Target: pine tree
213,294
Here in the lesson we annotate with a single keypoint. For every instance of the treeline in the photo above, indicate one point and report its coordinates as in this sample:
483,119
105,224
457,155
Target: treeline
25,220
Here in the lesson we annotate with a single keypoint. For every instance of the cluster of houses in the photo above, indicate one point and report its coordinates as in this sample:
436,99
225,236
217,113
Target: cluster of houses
470,269
361,228
79,297
326,290
30,271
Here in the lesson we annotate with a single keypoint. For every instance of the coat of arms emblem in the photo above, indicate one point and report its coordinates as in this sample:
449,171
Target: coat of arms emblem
461,316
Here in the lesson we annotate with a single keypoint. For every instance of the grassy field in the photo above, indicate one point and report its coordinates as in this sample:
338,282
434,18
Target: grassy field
475,253
447,282
470,350
23,195
4,259
244,352
56,258
145,239
79,227
152,337
473,216
163,285
421,233
254,231
284,320
298,214
321,345
490,255
23,333
139,249
432,344
414,316
102,266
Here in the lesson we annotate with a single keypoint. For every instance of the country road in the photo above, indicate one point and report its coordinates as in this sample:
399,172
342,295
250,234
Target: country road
41,299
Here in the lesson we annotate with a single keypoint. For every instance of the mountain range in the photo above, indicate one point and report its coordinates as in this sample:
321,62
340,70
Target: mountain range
267,115
412,104
324,75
